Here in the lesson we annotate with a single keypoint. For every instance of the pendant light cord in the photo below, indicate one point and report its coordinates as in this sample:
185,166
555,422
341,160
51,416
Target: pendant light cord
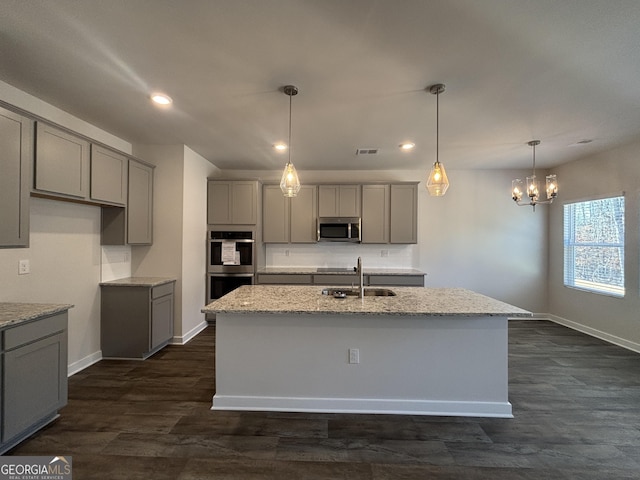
437,127
290,101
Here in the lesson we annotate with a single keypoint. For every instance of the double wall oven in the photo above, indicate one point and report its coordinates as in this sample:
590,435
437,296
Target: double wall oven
230,261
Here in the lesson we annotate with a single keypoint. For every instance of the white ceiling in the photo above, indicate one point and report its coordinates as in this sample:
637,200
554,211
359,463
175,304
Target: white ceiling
560,71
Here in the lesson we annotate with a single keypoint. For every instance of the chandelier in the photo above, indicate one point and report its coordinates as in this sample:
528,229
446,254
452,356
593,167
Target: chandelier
290,183
532,190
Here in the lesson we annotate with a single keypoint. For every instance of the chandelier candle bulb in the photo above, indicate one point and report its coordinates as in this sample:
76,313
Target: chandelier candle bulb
533,191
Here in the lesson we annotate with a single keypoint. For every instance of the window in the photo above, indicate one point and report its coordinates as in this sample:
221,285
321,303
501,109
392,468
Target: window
594,245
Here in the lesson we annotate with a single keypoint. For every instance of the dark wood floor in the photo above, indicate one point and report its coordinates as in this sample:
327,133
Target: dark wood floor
576,402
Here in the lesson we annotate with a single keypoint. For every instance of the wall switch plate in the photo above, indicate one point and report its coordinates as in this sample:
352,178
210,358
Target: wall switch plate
354,355
384,253
24,267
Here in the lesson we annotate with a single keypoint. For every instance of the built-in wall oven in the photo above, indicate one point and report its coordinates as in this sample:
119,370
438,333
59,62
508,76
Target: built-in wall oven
230,261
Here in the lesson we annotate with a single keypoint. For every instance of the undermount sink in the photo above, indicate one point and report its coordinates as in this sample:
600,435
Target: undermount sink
368,292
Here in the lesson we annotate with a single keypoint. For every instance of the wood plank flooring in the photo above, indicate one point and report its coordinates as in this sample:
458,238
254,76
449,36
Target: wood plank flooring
576,402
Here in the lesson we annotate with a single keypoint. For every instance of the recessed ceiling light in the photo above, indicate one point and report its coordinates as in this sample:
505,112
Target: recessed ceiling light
407,146
161,99
281,147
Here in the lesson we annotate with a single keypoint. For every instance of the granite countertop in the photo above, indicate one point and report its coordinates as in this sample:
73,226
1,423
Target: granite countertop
418,301
13,313
345,271
138,282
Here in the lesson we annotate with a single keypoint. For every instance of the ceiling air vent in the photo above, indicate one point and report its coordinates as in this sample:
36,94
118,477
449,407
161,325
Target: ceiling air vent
367,151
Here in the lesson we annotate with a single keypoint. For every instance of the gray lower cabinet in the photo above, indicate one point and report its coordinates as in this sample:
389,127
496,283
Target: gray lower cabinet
409,280
16,140
397,280
284,279
61,162
34,376
136,320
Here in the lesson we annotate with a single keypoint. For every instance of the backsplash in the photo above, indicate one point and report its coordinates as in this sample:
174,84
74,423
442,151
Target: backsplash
340,255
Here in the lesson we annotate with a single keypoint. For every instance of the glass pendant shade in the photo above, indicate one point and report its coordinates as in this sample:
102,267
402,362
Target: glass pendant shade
290,183
517,188
438,182
552,187
532,188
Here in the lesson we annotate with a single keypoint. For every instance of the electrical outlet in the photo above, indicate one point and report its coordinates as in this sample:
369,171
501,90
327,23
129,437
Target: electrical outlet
24,267
384,253
286,253
354,355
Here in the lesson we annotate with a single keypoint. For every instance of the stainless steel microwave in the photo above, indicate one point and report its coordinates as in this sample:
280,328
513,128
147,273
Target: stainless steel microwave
339,229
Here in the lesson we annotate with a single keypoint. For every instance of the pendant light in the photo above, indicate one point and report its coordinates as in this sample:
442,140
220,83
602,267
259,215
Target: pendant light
517,185
290,183
437,183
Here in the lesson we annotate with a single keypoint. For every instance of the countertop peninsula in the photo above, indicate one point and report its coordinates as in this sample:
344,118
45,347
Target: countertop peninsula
13,313
138,282
409,301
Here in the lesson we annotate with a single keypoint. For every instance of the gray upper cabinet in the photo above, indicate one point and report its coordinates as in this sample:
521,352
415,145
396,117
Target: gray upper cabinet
140,204
289,220
339,201
232,202
16,139
375,213
61,162
303,217
404,213
108,176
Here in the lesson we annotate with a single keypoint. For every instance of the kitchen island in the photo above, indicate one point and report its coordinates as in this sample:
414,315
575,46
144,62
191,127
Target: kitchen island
424,351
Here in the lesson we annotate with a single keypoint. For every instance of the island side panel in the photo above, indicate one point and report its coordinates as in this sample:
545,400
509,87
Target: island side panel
430,365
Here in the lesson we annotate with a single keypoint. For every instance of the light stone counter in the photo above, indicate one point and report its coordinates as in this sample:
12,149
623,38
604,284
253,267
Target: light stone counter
15,313
138,282
409,301
346,271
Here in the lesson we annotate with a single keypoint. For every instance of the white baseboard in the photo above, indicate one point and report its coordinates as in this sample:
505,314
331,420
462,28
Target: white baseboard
607,337
189,335
83,363
363,405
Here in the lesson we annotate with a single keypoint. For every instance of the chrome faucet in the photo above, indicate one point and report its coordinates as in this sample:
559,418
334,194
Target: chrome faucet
360,278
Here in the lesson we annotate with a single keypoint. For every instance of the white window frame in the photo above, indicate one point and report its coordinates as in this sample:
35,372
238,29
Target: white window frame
572,244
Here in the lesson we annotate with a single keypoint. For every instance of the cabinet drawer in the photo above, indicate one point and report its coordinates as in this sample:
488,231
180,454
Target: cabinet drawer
284,279
32,331
332,279
397,280
162,290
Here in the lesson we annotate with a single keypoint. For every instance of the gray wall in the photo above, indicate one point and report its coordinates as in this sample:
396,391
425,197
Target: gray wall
606,174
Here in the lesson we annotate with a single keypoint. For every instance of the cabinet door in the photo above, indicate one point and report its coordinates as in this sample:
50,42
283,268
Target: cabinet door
404,214
375,214
218,202
349,201
161,320
303,218
62,162
140,204
108,176
15,159
328,200
339,201
244,203
275,216
34,383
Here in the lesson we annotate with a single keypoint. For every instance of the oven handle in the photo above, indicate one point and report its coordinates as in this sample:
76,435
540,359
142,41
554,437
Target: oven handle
242,240
231,274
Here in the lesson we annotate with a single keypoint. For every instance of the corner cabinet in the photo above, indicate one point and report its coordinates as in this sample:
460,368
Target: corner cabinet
61,163
390,213
16,140
34,376
289,220
140,204
136,316
109,171
232,202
